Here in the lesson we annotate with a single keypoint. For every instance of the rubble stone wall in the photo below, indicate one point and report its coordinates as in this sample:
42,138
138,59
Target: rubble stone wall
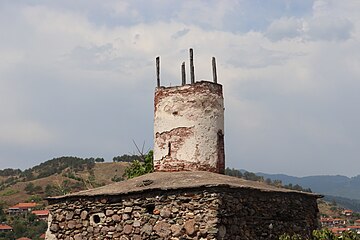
216,213
245,215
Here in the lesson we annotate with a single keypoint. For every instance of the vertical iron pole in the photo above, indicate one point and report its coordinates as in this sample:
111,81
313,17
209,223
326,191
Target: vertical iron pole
183,75
192,73
158,71
214,70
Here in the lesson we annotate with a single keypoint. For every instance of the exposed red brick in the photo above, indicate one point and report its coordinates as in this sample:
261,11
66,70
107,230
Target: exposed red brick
175,136
197,87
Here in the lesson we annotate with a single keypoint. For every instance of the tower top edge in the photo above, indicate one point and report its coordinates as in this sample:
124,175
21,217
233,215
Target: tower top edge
197,83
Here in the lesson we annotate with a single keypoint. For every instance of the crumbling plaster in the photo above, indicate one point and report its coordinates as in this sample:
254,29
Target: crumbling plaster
187,123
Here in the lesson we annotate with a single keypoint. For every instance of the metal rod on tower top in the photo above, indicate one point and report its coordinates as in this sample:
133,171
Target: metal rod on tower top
192,73
214,69
183,75
158,71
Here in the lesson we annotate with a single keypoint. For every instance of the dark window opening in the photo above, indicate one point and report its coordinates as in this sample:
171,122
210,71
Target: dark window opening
96,218
169,149
150,208
186,200
220,152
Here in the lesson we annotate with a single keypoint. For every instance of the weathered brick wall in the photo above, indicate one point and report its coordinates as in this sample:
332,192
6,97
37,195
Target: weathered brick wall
216,213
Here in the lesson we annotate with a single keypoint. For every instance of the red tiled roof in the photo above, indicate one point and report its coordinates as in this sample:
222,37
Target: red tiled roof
5,227
23,238
42,236
354,227
40,212
23,205
337,230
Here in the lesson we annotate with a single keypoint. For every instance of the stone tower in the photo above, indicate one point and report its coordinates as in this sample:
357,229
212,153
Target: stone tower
189,125
190,203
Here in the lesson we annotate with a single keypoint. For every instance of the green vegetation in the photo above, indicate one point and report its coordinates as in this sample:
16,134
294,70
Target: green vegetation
99,160
30,188
72,176
138,168
323,234
116,178
9,192
71,165
9,172
57,165
253,177
126,158
63,188
353,204
24,225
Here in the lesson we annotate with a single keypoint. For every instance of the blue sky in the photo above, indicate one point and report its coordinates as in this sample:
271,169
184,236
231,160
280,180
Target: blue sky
77,78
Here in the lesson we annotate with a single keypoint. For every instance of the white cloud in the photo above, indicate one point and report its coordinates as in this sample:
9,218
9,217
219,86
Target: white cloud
329,21
329,28
285,28
79,81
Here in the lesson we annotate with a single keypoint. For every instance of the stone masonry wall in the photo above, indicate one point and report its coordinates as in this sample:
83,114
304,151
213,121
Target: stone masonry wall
170,216
216,213
244,215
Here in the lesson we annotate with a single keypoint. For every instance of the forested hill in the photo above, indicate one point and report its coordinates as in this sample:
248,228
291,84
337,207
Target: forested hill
338,185
46,169
57,176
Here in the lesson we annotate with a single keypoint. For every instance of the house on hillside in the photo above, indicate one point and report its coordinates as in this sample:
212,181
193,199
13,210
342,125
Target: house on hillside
5,228
332,222
354,229
22,208
41,214
23,238
357,222
347,212
338,231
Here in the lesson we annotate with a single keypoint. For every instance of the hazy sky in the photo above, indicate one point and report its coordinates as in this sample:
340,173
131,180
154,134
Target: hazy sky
78,77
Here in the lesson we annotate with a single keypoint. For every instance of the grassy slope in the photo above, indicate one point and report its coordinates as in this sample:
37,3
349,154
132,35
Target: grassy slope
103,173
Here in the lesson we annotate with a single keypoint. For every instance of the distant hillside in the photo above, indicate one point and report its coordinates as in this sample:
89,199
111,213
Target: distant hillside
57,176
352,204
338,185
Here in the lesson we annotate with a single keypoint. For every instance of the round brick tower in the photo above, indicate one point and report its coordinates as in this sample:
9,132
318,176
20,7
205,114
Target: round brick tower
189,127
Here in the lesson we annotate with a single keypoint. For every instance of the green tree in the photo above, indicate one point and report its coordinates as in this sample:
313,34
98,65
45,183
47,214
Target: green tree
29,188
2,213
138,168
99,160
126,158
252,176
233,172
